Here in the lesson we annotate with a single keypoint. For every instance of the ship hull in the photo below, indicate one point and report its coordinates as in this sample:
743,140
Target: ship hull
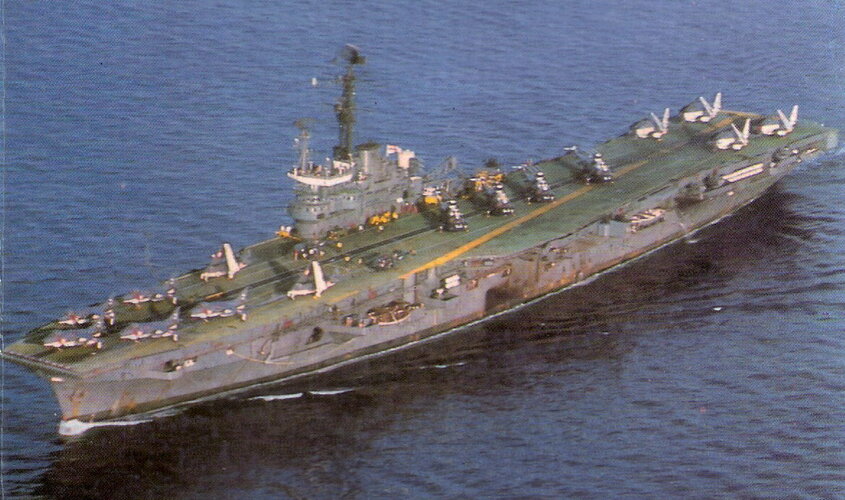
506,282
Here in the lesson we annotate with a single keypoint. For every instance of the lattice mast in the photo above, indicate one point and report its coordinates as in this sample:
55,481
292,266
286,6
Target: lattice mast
345,107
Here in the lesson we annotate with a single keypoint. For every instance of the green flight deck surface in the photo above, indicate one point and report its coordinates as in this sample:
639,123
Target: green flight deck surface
657,174
645,165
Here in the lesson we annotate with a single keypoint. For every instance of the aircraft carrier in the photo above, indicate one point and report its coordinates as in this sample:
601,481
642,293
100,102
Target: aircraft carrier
382,256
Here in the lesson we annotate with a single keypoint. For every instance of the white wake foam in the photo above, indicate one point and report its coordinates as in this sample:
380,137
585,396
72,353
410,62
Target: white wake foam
440,367
277,397
75,427
329,392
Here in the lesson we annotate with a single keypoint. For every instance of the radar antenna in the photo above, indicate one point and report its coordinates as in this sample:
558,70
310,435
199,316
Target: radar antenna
345,107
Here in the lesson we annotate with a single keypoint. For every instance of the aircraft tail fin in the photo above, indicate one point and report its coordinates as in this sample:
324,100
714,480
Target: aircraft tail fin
793,116
737,133
784,121
717,104
788,123
706,105
656,120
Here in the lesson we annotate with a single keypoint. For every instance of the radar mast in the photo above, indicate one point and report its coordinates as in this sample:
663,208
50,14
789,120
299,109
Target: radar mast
345,107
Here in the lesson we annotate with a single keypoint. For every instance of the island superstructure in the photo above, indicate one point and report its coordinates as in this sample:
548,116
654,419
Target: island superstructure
380,256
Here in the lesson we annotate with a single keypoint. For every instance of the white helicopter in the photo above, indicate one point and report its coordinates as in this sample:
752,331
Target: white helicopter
779,125
702,111
652,127
223,263
733,138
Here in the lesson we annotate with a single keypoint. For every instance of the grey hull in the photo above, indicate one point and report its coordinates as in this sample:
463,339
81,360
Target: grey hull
496,283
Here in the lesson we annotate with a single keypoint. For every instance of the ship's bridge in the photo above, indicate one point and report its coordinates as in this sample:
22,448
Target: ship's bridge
317,175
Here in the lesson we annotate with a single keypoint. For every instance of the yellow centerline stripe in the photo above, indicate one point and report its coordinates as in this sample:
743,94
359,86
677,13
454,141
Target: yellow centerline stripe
499,230
540,211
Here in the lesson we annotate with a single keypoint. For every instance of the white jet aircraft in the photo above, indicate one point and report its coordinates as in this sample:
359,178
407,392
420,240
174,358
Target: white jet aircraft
702,111
221,309
781,124
153,329
733,138
652,127
83,337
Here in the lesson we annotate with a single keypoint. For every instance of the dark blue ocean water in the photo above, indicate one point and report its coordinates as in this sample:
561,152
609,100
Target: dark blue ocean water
139,135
